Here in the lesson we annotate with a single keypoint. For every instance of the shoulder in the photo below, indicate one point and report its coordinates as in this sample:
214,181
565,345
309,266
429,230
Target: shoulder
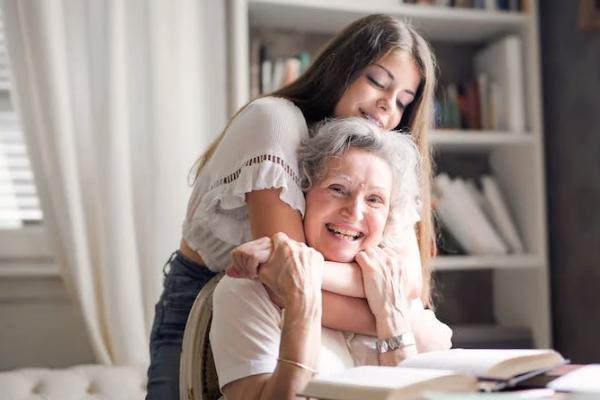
271,113
239,296
269,123
271,105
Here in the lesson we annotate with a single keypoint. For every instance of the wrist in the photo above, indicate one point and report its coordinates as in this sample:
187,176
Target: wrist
304,310
307,301
391,323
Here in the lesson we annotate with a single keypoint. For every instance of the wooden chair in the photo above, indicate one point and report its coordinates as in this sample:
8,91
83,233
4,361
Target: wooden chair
197,373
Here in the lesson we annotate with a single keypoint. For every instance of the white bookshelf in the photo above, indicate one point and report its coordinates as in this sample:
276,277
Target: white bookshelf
521,293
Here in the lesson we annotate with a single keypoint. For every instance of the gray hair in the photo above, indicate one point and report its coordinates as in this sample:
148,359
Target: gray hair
334,137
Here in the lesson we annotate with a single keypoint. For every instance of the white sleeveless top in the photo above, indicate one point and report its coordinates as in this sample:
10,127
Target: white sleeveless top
258,151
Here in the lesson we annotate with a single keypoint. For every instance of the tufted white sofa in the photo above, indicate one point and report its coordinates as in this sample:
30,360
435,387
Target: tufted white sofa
83,382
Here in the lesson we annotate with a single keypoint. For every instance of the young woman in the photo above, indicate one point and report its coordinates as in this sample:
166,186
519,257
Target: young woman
247,184
361,189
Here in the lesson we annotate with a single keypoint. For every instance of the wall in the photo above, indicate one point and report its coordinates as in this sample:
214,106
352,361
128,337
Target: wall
571,84
40,324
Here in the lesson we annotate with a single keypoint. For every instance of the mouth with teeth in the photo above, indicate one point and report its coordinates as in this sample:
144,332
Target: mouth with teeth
368,117
345,234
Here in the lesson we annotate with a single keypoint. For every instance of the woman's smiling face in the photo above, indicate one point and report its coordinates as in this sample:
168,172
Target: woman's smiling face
382,91
347,209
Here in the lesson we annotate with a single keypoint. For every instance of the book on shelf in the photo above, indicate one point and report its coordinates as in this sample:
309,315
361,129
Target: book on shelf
459,106
455,370
268,73
492,5
478,219
460,210
497,210
501,63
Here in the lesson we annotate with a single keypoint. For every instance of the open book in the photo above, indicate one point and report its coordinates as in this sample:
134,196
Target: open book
456,370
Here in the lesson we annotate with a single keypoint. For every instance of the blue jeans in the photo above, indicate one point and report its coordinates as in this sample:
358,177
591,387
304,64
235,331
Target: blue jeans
183,280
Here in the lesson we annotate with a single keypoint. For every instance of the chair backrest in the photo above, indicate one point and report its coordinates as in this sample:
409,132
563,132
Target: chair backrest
197,374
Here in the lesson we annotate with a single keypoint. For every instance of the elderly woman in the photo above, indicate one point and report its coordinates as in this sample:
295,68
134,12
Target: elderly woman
361,189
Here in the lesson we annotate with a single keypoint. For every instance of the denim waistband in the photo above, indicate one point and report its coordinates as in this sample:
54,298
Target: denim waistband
179,264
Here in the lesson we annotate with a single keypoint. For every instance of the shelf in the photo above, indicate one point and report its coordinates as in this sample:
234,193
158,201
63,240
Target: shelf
436,23
461,263
519,286
447,139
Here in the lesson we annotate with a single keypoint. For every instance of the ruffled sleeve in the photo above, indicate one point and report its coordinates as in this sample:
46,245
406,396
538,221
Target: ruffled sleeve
258,151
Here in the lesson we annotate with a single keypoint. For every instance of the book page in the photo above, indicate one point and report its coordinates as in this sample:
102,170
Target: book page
477,362
383,383
383,377
583,380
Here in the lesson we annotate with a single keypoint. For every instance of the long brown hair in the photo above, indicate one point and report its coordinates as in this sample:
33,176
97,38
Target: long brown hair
339,64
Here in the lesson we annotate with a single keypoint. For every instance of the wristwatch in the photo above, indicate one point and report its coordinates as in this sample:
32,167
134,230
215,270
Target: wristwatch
396,342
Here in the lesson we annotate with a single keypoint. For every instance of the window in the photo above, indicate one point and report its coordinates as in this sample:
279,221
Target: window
22,233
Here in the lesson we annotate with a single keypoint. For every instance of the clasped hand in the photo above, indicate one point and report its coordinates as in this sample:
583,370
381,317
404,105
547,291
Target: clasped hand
287,268
383,282
290,270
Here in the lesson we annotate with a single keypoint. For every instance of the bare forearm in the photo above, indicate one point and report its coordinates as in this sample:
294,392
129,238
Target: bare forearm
349,314
300,342
343,278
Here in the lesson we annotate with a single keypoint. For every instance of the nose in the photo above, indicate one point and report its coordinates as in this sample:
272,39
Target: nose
353,209
386,102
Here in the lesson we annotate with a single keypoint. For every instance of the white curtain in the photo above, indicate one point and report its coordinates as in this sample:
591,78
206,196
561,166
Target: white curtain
114,97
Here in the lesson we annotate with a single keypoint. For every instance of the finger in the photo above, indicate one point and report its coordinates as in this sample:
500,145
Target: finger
364,260
233,272
392,253
379,256
278,238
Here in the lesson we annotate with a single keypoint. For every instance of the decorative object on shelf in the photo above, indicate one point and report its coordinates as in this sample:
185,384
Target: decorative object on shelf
589,15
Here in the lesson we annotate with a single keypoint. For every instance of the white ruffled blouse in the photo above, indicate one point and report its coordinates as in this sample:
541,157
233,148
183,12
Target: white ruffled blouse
258,151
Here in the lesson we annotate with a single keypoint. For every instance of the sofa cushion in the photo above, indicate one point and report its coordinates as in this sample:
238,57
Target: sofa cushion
81,382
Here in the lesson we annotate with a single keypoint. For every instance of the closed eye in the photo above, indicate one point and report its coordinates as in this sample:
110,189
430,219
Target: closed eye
375,82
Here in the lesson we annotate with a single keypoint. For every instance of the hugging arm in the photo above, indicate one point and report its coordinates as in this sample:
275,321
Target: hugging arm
258,354
269,215
343,289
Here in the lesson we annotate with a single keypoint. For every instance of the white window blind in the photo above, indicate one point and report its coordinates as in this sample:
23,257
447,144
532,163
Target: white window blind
19,203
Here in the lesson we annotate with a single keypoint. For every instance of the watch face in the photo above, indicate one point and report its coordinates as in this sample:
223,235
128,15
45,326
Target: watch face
382,346
395,343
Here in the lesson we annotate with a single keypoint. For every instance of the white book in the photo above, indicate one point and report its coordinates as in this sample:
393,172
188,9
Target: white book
278,71
266,76
495,101
484,100
488,364
456,370
465,219
500,215
502,61
479,222
386,383
490,5
582,380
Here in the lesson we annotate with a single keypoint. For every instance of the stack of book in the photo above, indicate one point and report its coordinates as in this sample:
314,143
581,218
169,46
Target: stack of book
491,5
268,74
494,99
477,218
